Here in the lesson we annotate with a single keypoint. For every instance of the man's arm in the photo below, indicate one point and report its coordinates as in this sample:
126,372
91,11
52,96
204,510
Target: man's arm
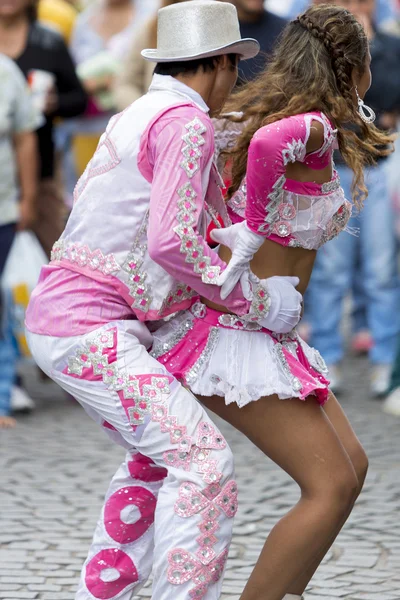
181,152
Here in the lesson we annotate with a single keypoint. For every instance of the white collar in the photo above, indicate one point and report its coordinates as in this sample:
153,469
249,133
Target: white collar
170,84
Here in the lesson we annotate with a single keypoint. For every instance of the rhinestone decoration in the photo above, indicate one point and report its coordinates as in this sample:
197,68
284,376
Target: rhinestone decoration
160,347
199,310
261,302
191,151
294,381
275,198
179,293
191,246
138,289
193,374
338,222
91,355
81,255
287,211
331,186
282,229
294,151
234,322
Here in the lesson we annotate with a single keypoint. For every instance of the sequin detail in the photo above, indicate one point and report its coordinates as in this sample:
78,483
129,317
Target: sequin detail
338,222
234,322
237,202
138,290
190,244
294,151
179,293
275,198
191,151
193,374
159,347
331,186
141,396
261,302
280,355
206,567
83,256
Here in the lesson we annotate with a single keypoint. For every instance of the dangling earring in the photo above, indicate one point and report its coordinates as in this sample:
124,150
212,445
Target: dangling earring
366,113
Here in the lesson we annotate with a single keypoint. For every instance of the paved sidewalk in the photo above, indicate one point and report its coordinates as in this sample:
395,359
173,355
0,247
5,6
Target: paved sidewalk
55,468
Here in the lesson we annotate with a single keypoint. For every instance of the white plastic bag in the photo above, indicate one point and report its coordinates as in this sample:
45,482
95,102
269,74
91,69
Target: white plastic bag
20,276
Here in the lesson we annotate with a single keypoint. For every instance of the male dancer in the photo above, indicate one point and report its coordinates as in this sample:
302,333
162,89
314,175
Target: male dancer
133,251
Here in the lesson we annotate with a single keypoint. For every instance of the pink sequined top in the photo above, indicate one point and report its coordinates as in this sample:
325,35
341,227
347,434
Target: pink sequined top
289,212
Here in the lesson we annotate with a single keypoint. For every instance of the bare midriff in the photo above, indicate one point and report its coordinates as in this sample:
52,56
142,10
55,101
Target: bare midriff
273,259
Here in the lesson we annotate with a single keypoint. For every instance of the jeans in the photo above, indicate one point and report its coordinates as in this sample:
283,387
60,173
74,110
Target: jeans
8,358
371,257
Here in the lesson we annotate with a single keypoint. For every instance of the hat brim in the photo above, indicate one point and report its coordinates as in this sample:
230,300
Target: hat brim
246,48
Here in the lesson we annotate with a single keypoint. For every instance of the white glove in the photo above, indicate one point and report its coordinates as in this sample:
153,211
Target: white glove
285,303
244,244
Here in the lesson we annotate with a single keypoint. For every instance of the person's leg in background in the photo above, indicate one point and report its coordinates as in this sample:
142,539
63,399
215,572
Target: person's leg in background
7,351
392,402
361,342
381,281
330,282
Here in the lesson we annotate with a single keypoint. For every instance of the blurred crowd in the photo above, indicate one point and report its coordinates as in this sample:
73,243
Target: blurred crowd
66,68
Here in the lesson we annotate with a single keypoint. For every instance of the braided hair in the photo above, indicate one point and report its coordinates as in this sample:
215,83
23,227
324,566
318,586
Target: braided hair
312,69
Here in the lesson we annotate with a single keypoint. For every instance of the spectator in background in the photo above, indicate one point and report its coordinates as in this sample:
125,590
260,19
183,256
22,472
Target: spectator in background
42,55
373,249
264,26
101,40
60,15
137,73
18,181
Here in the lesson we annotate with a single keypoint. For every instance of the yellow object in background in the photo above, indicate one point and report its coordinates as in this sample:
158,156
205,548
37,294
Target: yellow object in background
20,295
83,147
59,15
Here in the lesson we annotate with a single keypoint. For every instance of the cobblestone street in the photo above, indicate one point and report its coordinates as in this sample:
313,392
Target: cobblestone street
55,468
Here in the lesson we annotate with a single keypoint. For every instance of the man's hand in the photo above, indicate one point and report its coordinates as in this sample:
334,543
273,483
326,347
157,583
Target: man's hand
244,244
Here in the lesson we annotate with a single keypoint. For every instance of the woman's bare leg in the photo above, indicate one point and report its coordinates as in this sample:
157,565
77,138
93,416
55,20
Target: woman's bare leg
357,455
299,437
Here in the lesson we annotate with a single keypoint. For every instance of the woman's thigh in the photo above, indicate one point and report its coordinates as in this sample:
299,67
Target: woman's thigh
347,436
297,435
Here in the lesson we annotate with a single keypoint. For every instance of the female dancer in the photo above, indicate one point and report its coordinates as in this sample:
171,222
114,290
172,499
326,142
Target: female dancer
294,114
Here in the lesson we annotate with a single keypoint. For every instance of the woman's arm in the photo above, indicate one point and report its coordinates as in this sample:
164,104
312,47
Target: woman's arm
71,97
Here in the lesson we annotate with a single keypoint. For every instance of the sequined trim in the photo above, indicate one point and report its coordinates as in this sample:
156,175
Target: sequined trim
90,355
179,293
208,503
332,185
234,322
83,256
275,198
338,222
190,244
280,355
160,347
294,151
238,201
193,374
138,289
261,302
191,151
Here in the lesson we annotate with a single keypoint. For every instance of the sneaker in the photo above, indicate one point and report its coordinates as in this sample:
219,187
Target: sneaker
362,342
380,380
391,406
335,378
20,401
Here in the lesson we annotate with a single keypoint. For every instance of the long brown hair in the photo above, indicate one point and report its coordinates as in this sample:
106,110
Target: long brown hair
153,23
312,69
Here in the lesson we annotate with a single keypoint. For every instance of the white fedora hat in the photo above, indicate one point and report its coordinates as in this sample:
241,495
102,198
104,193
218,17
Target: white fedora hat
197,29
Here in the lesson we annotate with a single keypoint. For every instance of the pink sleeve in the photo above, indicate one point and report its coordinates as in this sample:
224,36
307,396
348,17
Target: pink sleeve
180,151
271,149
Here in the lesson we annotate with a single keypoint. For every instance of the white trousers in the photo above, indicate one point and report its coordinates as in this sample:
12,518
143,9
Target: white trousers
170,505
